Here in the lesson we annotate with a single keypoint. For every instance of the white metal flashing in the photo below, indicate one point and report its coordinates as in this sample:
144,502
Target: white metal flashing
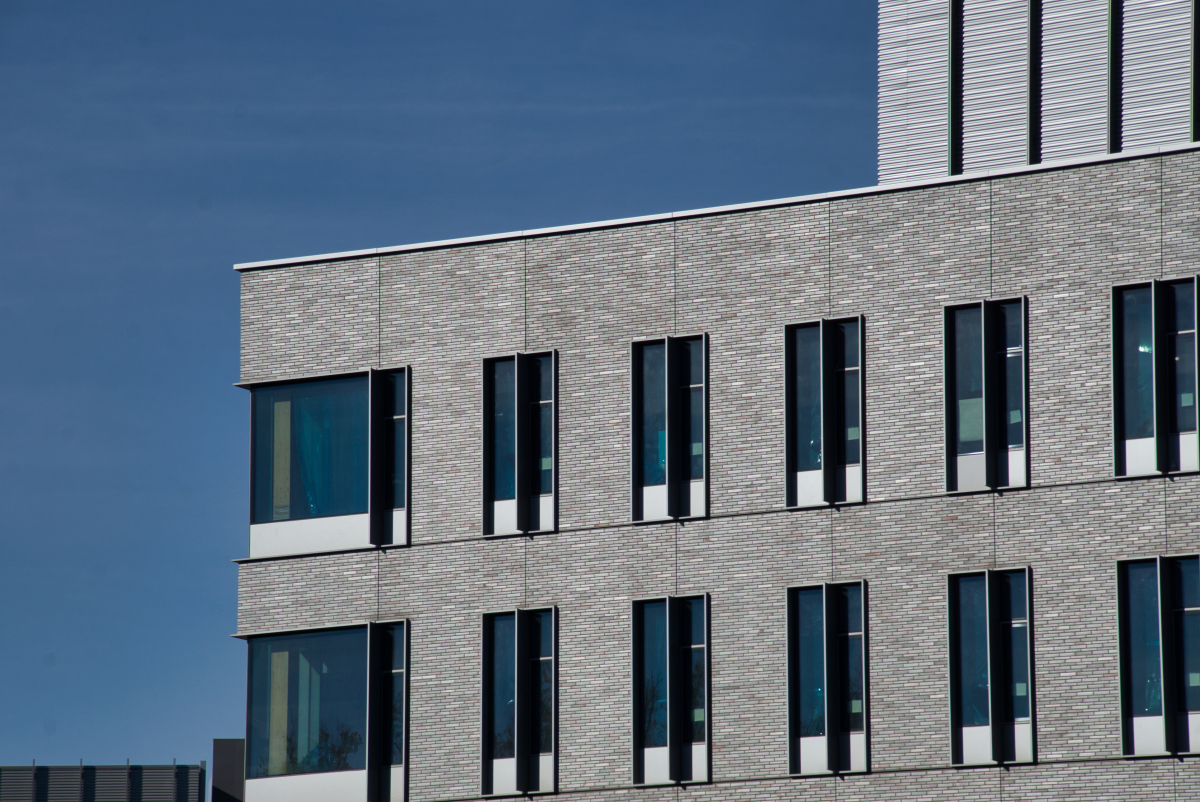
737,207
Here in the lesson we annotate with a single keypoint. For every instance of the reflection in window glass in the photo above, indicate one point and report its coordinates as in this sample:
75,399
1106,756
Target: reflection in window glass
504,429
653,679
692,382
543,422
968,379
504,686
1137,362
810,677
541,676
692,623
850,655
1181,329
1014,644
398,385
308,703
806,372
1012,374
1141,631
970,655
309,454
654,414
1186,574
395,721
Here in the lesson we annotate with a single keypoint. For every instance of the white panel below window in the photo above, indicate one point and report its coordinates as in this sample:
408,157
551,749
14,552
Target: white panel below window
400,527
695,763
1015,469
1140,457
656,765
541,513
310,535
504,776
1149,737
813,754
858,751
977,745
1018,742
810,488
541,772
1189,456
695,494
1187,732
396,792
654,502
972,472
344,786
504,517
849,483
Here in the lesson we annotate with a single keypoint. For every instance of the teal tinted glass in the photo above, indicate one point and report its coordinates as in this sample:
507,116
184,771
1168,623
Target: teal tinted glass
848,424
504,686
653,680
850,660
695,428
542,713
1184,380
1012,326
806,397
504,429
696,690
1012,595
543,377
396,635
692,360
968,379
847,343
1142,638
970,653
398,385
810,661
1015,645
1136,389
654,413
399,462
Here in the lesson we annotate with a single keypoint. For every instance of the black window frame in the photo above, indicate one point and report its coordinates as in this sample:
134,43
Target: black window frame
381,675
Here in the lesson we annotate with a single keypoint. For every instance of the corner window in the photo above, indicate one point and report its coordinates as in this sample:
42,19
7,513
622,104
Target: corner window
991,679
1154,378
824,402
827,678
307,703
309,449
670,434
1159,607
519,702
671,729
519,443
986,406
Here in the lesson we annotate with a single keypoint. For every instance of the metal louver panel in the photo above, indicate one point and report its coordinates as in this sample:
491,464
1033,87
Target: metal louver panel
16,784
914,75
1157,72
995,83
111,784
158,784
1074,78
63,783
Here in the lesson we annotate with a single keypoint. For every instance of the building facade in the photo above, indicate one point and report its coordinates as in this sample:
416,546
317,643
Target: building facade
890,493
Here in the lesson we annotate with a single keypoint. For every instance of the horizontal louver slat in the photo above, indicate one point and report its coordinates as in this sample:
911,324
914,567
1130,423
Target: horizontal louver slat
995,83
1156,79
1074,78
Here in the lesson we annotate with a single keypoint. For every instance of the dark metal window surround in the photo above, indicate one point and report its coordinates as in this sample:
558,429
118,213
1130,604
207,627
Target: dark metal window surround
1154,378
1159,624
824,404
389,724
670,429
991,667
827,678
987,409
671,722
519,701
520,457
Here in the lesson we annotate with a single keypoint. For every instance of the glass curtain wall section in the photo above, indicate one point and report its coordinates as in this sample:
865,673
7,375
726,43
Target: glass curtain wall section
519,702
827,682
670,693
824,400
307,703
1154,371
519,443
309,454
670,428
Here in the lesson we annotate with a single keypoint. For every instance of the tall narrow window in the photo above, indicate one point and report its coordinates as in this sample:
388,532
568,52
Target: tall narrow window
824,413
670,676
990,677
1159,604
670,428
986,407
827,682
390,704
390,455
519,702
519,443
1154,378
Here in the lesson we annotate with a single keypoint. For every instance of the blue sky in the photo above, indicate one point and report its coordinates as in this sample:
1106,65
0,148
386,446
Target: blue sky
147,145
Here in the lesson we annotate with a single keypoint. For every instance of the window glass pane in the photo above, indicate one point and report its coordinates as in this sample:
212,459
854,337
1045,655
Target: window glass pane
1014,392
542,696
1187,653
396,636
654,674
654,415
308,703
810,662
971,660
850,660
544,430
1142,646
1012,327
504,429
849,608
1016,666
309,456
695,427
695,711
1185,383
968,379
806,373
1012,595
693,361
399,462
504,686
1137,363
396,720
847,343
693,621
543,377
848,423
1180,307
399,387
1186,573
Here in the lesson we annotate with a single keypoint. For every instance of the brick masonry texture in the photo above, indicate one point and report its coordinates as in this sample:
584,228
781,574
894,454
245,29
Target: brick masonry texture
1059,238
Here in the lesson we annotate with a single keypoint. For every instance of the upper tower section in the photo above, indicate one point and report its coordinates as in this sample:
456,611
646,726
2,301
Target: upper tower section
970,85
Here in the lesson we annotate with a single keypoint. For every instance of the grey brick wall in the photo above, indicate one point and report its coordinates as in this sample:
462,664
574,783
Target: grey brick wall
1062,238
